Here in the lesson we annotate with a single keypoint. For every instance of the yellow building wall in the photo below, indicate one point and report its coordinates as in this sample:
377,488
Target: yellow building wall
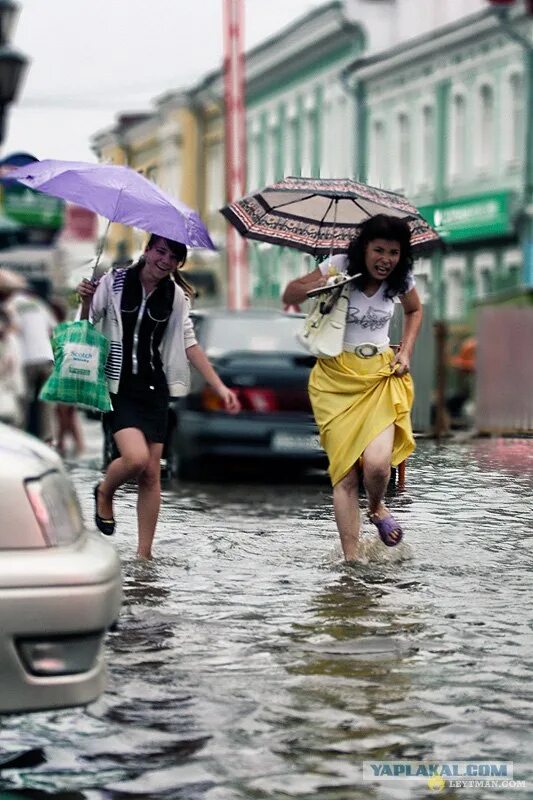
190,189
119,237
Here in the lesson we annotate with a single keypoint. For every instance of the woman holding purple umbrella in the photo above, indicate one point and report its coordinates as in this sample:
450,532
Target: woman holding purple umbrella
362,398
145,315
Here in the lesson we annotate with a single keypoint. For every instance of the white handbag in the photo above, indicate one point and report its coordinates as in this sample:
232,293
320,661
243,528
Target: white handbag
323,330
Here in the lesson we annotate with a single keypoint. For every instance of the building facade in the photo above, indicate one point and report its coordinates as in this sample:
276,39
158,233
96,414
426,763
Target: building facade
300,120
429,101
445,118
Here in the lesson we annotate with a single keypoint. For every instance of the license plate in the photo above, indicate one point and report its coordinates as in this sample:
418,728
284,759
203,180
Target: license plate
304,442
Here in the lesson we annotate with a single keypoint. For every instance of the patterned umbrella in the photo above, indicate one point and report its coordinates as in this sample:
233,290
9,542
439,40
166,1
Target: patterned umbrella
320,215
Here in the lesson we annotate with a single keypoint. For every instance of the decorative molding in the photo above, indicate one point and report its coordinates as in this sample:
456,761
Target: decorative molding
304,41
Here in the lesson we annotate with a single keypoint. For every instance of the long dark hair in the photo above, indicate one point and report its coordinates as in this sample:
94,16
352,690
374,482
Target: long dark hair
392,229
179,250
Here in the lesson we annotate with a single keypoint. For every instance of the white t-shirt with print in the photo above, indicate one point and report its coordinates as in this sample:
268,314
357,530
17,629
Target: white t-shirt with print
368,318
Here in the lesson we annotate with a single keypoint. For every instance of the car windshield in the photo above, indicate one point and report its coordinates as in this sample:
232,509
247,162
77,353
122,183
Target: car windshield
255,334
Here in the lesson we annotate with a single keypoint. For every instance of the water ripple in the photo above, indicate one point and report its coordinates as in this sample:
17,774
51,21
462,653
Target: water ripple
251,663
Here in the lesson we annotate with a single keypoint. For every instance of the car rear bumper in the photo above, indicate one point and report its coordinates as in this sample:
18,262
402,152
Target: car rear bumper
248,437
59,597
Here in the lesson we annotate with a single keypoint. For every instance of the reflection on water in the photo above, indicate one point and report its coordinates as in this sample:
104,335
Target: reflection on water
251,663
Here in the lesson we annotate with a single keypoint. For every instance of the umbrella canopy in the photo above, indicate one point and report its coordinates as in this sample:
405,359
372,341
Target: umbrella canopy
118,193
321,215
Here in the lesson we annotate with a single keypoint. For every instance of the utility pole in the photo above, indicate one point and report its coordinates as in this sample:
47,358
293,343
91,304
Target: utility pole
235,146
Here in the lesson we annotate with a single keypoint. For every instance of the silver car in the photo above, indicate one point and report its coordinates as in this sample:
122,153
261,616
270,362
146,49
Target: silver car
60,586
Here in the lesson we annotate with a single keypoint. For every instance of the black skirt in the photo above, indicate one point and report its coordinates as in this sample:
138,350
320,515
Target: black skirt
143,409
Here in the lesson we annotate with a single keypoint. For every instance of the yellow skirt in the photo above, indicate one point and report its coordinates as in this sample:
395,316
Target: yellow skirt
354,399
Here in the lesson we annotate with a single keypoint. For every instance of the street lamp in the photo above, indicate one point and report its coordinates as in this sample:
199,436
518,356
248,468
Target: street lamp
8,14
12,63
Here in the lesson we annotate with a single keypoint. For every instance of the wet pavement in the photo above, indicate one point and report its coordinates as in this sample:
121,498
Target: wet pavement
251,663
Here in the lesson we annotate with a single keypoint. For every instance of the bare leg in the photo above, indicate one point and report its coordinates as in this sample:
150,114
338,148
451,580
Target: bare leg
346,507
134,458
60,414
149,501
74,428
376,472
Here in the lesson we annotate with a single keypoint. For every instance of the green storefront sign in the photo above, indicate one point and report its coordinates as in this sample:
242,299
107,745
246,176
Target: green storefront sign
480,217
32,208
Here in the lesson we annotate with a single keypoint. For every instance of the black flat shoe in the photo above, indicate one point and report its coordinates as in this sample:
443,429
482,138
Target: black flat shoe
106,526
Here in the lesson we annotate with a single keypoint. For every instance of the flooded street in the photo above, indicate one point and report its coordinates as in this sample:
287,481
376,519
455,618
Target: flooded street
251,663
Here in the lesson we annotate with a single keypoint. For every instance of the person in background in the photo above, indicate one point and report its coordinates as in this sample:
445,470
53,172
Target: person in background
145,315
11,377
33,324
362,398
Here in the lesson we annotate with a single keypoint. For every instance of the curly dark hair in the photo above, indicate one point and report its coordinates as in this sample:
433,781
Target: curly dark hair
392,229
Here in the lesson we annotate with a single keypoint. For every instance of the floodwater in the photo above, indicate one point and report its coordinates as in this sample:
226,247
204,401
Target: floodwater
251,663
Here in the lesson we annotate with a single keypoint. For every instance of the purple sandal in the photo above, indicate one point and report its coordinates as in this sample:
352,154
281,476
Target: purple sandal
386,527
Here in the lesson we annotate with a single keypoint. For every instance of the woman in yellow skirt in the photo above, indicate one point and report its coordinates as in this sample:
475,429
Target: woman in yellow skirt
362,398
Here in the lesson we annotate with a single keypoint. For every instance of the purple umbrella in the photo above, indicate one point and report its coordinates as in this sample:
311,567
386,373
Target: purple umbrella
118,193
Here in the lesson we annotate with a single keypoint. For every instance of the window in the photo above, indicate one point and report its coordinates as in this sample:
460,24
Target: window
327,142
428,145
377,154
254,162
343,126
458,137
271,155
151,174
308,138
292,157
517,116
486,129
216,189
404,151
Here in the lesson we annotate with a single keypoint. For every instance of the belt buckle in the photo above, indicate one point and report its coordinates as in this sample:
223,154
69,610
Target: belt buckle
366,350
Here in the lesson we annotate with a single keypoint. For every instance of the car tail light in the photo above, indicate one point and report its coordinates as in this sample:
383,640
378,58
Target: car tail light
258,400
211,401
261,400
65,655
56,508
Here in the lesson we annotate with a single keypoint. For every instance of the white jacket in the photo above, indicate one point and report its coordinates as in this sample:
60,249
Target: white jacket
178,336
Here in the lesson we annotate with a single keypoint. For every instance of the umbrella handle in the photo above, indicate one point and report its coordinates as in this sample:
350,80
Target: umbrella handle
100,250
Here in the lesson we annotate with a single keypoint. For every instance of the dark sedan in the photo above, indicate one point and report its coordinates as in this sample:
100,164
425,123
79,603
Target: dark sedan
257,354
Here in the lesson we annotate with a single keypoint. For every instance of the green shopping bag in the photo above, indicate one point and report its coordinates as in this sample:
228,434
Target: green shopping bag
78,379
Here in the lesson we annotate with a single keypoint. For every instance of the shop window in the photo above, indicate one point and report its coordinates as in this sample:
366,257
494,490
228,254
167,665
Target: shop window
515,276
423,287
454,295
485,282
